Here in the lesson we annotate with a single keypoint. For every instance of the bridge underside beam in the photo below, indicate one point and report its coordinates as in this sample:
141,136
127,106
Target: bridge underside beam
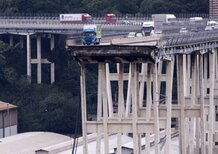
113,53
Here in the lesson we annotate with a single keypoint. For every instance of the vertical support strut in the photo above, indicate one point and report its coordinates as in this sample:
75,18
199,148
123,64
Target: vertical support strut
142,85
134,108
99,110
129,92
170,68
39,59
211,118
120,104
105,109
83,108
193,100
197,94
28,58
202,93
109,95
52,64
181,100
156,113
148,105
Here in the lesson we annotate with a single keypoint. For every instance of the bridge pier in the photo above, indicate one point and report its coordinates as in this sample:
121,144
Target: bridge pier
143,113
39,60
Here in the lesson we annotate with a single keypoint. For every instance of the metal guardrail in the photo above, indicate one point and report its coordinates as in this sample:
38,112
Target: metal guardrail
189,38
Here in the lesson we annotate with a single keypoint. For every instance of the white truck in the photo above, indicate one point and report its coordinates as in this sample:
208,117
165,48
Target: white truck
148,28
75,18
160,19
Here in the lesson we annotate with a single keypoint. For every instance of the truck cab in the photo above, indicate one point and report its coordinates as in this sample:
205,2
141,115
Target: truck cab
110,18
91,34
147,28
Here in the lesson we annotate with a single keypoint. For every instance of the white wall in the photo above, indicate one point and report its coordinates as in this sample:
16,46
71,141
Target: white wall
9,131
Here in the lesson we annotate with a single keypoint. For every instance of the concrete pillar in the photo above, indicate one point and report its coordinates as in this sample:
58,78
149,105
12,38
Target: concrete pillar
134,108
39,59
192,122
52,64
105,109
109,95
11,41
129,93
202,94
211,118
156,111
120,105
99,111
83,109
52,41
148,94
142,84
148,105
28,58
181,100
169,86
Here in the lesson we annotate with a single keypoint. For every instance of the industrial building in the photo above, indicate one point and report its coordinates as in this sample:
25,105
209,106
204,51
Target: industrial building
8,119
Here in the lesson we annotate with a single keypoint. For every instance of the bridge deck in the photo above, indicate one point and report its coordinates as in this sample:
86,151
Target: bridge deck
112,53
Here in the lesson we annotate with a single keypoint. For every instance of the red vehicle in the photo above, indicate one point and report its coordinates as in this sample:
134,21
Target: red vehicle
76,18
111,18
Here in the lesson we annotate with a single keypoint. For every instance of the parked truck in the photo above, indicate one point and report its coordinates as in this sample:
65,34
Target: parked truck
75,18
91,34
160,19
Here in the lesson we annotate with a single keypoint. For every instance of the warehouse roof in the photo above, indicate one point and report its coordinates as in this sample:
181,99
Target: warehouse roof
4,106
30,142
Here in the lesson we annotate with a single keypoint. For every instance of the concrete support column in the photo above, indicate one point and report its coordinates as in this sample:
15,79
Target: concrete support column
39,60
197,132
192,122
148,105
202,94
28,38
134,108
120,105
181,100
83,109
52,64
109,95
99,111
11,40
129,94
105,109
211,118
169,86
156,111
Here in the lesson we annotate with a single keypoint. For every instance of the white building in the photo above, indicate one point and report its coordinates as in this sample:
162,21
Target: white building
8,119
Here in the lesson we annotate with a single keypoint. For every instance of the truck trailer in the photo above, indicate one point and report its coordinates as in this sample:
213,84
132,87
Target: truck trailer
75,18
160,19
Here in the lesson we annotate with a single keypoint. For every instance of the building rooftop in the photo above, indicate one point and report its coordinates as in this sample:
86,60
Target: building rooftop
30,142
4,106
